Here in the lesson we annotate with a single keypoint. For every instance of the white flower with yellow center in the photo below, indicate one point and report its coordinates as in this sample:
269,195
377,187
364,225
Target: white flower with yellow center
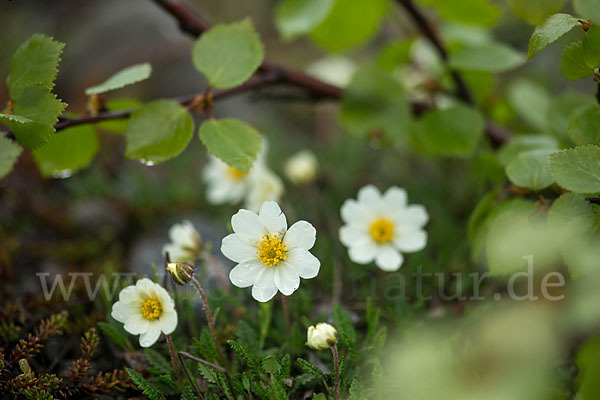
185,242
270,256
226,184
382,227
146,309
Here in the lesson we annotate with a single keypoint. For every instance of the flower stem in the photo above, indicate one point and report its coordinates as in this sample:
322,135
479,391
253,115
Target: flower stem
286,312
173,360
211,321
189,377
336,366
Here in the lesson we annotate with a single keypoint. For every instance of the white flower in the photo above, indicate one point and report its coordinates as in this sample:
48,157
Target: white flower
321,337
270,256
334,70
265,186
146,309
380,227
226,184
185,242
302,167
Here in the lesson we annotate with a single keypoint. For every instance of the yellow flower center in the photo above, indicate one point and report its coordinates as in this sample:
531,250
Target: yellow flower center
151,308
382,230
235,174
271,250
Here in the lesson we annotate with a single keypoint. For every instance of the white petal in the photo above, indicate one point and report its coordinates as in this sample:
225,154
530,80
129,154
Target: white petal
352,234
145,284
363,253
286,278
149,338
354,213
168,322
121,311
370,197
273,217
388,258
302,234
175,252
264,288
395,197
248,225
414,216
237,250
136,324
306,264
246,274
129,294
411,241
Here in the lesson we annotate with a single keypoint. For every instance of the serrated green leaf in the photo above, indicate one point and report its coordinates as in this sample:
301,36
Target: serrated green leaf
208,373
350,23
298,17
530,101
468,12
127,76
9,154
311,369
35,63
491,57
589,9
535,11
453,132
573,212
548,32
531,169
559,112
157,361
158,131
375,103
233,141
43,108
144,385
522,143
67,151
15,118
584,125
270,365
228,54
591,47
573,62
577,169
188,393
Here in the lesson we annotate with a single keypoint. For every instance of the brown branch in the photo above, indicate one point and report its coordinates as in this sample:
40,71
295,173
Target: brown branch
427,30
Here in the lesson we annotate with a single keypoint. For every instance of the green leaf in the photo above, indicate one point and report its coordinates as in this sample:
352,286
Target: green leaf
394,55
573,62
144,385
158,131
157,361
298,17
548,32
469,12
135,73
233,141
454,131
375,103
588,366
35,63
311,369
535,11
523,143
559,113
491,57
350,23
15,118
117,337
530,101
67,151
531,169
43,108
9,154
271,366
577,169
573,212
228,54
589,9
584,125
591,47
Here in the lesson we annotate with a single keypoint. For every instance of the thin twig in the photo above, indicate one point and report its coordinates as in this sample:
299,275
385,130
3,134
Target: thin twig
172,354
189,377
202,361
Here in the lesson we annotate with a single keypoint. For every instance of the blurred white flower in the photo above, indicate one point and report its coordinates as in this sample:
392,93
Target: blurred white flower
270,256
185,242
302,167
334,70
146,309
380,227
226,184
264,186
321,337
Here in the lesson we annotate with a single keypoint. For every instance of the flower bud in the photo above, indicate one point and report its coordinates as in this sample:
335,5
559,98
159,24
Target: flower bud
302,168
181,272
321,337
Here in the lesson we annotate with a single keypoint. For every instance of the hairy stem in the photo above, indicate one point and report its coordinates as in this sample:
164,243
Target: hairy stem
189,377
336,366
172,354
